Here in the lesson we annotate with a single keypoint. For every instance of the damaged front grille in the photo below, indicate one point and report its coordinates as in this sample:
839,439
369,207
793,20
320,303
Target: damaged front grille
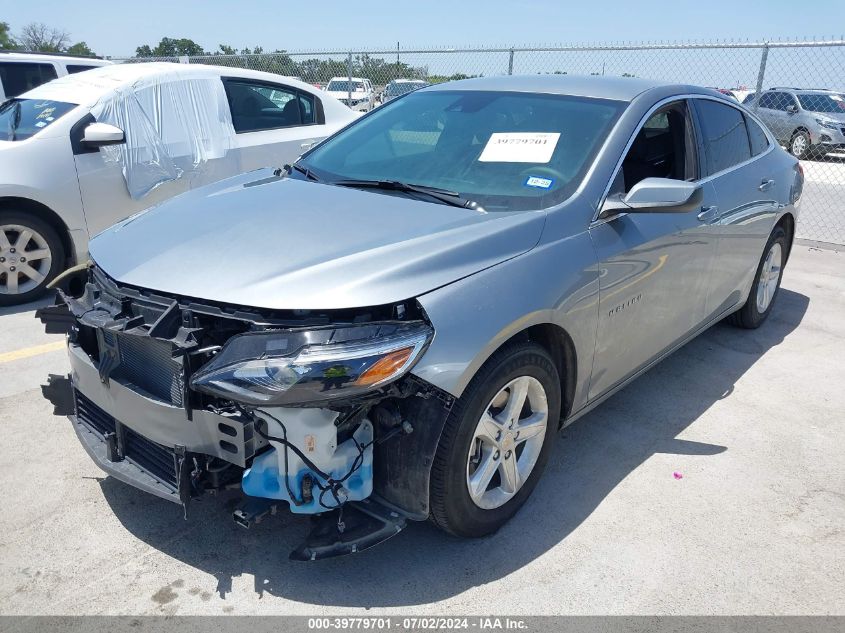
156,460
149,365
159,461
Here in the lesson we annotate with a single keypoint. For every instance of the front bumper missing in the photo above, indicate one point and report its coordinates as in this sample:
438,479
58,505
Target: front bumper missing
127,397
132,459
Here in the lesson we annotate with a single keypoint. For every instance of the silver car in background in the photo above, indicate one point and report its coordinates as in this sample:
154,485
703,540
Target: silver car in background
809,123
396,326
399,87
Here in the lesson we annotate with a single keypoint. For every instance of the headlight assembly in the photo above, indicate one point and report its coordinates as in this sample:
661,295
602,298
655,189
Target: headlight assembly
833,125
297,367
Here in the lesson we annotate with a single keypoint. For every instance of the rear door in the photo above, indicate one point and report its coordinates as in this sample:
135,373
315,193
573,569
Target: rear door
773,112
740,164
654,267
274,123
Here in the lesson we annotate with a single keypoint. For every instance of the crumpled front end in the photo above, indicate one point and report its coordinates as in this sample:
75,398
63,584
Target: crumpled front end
315,409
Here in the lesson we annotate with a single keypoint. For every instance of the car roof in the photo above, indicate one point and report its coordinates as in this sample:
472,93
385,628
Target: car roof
615,88
52,57
89,87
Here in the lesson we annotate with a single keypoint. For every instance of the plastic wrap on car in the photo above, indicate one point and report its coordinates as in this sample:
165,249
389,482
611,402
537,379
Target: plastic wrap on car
174,123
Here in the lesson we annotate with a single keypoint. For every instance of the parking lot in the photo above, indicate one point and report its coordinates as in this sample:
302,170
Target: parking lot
751,420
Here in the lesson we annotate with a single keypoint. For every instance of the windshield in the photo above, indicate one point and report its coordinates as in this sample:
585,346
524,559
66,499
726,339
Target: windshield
22,118
505,150
815,102
401,87
343,86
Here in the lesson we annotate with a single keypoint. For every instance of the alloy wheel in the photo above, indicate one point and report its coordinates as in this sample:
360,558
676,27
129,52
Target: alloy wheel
25,259
799,145
767,284
507,442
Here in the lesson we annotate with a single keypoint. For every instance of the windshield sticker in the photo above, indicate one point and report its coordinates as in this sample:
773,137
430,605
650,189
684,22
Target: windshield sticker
520,147
540,183
41,124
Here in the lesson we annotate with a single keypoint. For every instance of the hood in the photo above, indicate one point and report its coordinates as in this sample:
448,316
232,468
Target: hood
832,116
260,241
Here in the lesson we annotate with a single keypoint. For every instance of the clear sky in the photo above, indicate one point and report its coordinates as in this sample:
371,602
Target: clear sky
117,28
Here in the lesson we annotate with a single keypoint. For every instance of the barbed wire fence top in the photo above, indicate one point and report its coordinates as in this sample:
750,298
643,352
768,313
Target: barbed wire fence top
747,69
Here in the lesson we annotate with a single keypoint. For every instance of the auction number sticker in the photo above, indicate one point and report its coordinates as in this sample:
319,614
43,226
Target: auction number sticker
520,147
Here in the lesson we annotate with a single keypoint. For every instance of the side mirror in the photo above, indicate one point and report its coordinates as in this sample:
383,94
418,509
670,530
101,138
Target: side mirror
792,109
655,195
100,134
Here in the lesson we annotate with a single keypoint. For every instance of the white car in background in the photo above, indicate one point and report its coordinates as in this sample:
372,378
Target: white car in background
20,72
355,92
84,151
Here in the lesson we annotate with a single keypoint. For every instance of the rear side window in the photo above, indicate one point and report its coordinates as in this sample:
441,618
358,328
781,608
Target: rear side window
757,137
18,77
72,69
725,136
776,100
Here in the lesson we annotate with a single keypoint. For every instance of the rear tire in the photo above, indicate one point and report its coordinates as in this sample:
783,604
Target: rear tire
478,481
766,284
32,255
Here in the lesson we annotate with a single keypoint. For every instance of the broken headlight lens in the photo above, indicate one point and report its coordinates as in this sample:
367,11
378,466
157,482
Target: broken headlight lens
297,367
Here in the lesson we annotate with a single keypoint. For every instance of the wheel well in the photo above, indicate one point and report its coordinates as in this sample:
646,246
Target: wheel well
560,347
46,214
788,224
800,128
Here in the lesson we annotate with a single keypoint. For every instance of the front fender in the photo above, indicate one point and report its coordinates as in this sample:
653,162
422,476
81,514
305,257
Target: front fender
556,283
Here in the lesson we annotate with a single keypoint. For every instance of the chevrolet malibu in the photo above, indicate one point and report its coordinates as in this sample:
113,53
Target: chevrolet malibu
396,326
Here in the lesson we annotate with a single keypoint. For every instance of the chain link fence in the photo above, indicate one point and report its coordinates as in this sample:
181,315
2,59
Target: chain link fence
772,78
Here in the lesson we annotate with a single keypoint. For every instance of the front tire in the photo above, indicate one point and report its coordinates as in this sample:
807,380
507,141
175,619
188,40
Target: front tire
496,442
766,283
31,255
800,145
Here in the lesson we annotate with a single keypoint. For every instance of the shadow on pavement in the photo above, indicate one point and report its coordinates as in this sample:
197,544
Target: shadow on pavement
46,300
422,564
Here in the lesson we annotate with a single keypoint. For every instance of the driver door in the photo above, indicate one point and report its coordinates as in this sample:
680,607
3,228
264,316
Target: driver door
654,268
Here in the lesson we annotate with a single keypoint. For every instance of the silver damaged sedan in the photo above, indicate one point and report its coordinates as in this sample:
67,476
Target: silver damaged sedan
396,326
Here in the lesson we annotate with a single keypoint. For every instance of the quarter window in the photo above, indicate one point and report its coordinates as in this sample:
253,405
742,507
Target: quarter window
18,77
725,136
259,106
757,137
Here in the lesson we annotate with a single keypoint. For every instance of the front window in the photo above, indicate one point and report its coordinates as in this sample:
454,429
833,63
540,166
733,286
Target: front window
22,118
504,150
343,86
826,103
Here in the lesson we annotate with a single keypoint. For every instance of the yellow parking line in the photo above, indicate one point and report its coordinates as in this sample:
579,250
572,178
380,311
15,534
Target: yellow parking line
26,352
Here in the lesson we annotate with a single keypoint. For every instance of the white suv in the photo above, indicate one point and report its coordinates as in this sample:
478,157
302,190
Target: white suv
20,72
355,92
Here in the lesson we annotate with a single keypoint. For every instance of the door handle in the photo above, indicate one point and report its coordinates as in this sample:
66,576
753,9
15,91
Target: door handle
708,213
766,185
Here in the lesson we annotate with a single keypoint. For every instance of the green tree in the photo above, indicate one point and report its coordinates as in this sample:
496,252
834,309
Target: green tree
80,49
170,47
37,36
6,40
